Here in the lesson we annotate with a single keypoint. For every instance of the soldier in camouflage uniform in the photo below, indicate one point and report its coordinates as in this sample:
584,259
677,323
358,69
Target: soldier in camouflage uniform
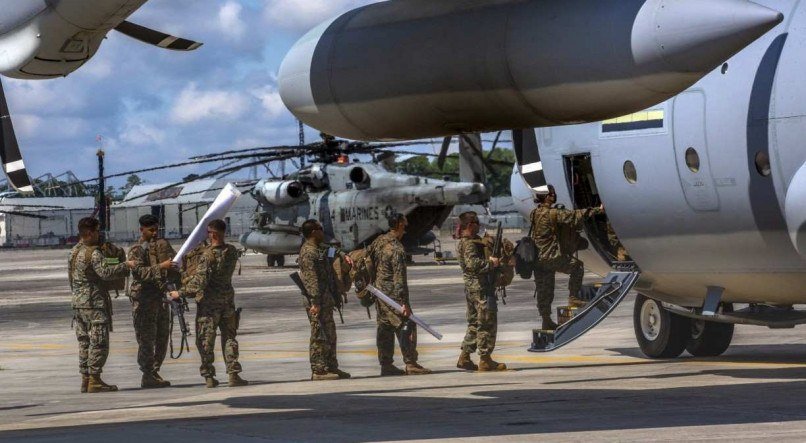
389,257
482,317
151,315
556,252
211,285
318,276
91,304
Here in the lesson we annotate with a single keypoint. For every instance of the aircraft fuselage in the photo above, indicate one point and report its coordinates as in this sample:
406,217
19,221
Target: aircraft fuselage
708,188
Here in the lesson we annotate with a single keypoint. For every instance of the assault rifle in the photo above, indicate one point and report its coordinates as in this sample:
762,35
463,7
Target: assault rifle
178,309
495,273
298,281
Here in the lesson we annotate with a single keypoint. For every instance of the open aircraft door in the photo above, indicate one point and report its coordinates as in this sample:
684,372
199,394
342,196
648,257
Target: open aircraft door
615,286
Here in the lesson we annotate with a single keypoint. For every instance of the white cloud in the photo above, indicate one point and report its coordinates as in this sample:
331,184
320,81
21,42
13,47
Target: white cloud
270,99
229,20
142,134
194,105
304,14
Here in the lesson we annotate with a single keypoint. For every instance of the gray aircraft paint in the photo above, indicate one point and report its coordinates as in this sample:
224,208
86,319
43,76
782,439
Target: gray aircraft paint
420,68
355,213
741,230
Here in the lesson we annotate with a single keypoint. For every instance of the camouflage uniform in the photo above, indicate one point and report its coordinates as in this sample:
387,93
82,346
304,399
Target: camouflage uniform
482,318
556,251
318,277
92,305
389,257
211,285
151,315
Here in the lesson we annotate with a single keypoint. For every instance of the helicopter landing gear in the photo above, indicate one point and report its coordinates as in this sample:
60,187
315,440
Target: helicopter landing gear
275,261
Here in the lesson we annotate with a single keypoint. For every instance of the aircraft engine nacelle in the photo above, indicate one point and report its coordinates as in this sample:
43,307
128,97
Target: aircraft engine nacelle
48,39
279,241
284,193
423,68
360,176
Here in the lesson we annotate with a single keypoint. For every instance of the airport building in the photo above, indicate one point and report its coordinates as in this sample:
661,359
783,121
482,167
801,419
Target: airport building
178,208
43,221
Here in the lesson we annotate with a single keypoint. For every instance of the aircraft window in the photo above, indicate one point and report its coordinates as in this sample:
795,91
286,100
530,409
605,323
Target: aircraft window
763,164
725,68
629,172
693,160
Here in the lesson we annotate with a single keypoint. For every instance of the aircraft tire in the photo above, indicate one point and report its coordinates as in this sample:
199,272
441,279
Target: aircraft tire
275,260
660,333
708,338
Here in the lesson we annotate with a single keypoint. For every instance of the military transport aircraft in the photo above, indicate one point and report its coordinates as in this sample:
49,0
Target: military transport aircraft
44,39
405,70
707,192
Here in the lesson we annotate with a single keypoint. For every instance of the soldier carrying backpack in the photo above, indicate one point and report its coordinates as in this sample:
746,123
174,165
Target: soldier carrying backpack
555,232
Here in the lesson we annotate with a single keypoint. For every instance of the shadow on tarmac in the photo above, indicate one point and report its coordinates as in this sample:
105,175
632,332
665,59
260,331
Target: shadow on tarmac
395,414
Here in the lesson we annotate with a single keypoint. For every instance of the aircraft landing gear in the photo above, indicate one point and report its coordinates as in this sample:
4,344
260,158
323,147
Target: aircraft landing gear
663,334
660,333
708,338
275,261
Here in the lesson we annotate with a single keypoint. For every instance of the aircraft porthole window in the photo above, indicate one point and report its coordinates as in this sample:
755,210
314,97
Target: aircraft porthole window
630,173
725,68
763,164
693,160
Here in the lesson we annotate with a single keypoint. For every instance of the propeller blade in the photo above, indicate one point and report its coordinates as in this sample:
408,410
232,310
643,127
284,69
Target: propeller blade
443,153
156,38
528,154
495,145
10,155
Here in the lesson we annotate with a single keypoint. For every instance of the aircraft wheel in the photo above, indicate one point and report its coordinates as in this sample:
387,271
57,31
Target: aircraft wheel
708,338
275,261
660,333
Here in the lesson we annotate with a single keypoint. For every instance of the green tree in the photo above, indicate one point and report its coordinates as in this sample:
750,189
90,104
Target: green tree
498,179
131,181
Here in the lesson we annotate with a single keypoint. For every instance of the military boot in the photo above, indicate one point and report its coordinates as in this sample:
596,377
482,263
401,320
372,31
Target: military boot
85,380
235,380
322,376
210,382
548,324
340,373
487,364
465,362
95,385
416,369
576,302
391,369
150,382
160,379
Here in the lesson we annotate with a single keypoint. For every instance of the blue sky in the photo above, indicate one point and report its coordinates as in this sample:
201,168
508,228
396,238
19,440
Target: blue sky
154,106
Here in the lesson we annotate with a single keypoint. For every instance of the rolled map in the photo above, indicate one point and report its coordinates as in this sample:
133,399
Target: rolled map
396,306
218,209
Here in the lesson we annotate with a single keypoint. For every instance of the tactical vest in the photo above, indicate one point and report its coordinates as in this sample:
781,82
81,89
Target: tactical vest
113,255
191,263
507,269
343,272
362,274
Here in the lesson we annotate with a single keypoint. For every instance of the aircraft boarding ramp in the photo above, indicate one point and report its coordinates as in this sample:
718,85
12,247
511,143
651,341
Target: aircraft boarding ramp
612,291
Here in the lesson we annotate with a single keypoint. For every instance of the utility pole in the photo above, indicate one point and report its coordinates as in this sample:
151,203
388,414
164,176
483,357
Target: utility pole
301,143
103,210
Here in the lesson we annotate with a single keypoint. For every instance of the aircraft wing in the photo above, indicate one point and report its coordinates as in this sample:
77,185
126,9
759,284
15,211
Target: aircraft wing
10,154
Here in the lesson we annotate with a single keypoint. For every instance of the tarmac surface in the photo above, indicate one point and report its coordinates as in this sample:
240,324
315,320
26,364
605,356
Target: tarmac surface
597,388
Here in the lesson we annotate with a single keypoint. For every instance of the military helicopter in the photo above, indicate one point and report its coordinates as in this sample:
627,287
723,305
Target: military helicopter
352,200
